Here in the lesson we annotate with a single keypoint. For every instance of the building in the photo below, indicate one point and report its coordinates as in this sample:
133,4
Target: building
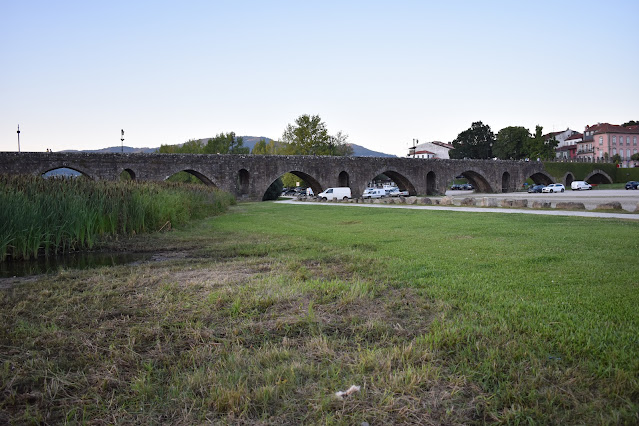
434,149
602,141
568,151
560,137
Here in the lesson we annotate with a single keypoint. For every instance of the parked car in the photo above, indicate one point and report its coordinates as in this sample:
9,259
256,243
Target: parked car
396,192
368,191
466,187
578,185
456,187
375,193
554,187
633,184
535,188
339,193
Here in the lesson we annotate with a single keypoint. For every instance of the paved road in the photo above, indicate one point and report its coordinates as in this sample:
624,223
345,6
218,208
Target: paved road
628,199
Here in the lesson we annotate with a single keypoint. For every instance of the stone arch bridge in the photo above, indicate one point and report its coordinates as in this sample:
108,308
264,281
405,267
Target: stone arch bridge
249,176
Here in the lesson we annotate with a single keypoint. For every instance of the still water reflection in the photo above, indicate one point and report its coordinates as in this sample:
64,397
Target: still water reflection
70,261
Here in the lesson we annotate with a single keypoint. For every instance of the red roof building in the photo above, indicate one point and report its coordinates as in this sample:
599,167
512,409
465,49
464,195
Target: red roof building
603,141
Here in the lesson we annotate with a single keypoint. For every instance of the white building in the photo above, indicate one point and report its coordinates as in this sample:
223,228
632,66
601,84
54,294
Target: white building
430,150
561,137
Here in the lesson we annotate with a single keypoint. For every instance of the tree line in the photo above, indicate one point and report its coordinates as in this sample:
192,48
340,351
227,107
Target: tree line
510,143
307,136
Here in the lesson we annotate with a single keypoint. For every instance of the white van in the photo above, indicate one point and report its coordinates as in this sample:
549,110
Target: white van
375,193
578,185
339,193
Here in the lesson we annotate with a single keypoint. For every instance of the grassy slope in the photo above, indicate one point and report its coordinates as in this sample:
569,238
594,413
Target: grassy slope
441,317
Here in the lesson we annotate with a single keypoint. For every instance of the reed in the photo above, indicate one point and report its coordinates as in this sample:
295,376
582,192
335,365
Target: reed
41,217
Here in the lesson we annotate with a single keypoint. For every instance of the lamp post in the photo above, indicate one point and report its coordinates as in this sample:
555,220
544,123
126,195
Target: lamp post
18,138
122,139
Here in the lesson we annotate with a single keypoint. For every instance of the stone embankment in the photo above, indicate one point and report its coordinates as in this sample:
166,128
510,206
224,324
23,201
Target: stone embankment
479,202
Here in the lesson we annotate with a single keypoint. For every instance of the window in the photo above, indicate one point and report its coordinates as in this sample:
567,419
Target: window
600,140
634,140
627,140
614,140
628,154
614,151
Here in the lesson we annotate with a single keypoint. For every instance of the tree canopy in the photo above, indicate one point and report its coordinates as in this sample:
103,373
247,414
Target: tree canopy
510,142
475,142
309,136
223,143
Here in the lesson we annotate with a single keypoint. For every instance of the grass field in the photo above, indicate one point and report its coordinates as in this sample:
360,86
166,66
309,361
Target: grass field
262,314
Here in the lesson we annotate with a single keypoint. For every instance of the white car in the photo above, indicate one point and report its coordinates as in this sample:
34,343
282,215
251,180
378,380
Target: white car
396,192
375,193
578,185
553,187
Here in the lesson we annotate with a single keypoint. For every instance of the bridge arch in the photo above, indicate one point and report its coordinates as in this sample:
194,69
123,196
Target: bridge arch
598,177
568,179
311,181
243,182
542,178
477,180
66,167
343,178
128,171
505,182
431,183
201,176
402,182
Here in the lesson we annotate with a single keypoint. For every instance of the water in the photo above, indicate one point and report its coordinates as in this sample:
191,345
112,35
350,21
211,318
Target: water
53,264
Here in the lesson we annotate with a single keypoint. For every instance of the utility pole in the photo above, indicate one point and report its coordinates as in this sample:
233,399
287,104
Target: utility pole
122,139
18,138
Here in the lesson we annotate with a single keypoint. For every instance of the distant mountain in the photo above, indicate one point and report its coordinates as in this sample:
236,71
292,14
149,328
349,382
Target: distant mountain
249,141
360,151
126,150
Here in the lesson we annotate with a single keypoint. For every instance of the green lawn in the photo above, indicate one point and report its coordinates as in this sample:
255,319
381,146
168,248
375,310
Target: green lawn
262,314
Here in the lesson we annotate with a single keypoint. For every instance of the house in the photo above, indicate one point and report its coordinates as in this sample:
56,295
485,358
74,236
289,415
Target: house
568,150
560,137
434,149
603,141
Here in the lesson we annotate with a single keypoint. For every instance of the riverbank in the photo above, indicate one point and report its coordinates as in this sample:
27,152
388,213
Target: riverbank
268,311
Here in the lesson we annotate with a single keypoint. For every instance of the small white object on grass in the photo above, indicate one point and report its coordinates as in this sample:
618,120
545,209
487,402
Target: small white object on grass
351,390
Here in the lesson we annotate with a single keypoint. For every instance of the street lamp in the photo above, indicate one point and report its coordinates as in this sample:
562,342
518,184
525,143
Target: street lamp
122,139
18,138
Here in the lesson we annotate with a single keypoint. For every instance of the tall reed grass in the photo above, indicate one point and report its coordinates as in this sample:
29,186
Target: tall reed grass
48,216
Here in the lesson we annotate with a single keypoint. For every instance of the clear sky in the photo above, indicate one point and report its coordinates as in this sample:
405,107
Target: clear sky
74,73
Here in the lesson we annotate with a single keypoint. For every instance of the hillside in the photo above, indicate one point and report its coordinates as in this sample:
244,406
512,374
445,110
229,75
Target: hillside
249,141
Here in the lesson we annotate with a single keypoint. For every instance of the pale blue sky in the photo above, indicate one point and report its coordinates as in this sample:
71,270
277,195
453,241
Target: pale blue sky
385,72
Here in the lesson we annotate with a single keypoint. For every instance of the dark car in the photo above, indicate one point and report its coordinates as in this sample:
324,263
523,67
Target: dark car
536,188
633,184
456,187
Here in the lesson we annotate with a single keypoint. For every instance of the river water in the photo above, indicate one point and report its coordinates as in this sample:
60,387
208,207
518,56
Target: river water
53,264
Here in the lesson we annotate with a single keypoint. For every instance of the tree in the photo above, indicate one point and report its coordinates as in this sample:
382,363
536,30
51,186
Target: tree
631,123
273,191
192,146
309,136
635,157
538,147
475,142
510,142
226,143
223,143
264,148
